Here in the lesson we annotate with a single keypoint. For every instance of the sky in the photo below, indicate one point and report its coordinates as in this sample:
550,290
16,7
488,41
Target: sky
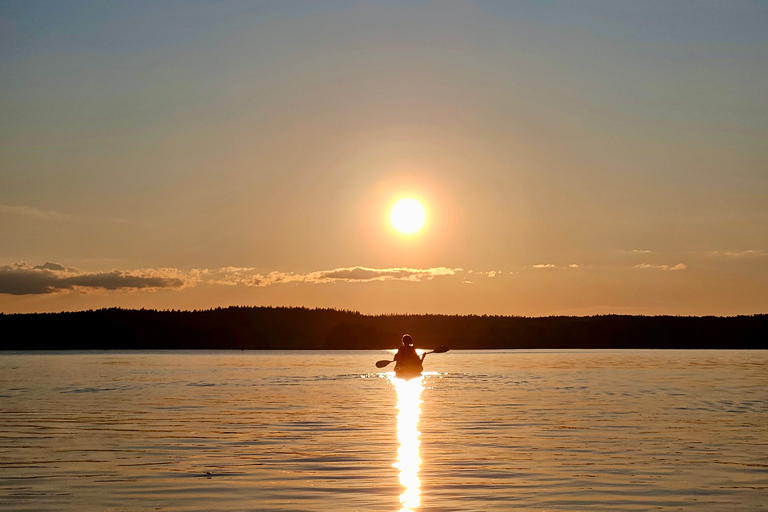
573,158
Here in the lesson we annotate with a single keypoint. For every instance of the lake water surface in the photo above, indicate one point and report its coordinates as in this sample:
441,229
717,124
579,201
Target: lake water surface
317,431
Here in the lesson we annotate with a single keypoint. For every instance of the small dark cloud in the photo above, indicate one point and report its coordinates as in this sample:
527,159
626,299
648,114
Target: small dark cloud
116,280
50,266
378,274
364,274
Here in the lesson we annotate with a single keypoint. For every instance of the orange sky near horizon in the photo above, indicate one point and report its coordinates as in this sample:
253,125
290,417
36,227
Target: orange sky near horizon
572,159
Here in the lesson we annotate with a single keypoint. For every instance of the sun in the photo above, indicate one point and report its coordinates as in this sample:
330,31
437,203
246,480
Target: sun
408,216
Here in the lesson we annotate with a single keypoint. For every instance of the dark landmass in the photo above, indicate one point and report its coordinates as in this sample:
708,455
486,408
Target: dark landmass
264,328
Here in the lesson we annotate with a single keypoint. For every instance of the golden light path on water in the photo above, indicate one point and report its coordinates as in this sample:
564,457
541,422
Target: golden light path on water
408,401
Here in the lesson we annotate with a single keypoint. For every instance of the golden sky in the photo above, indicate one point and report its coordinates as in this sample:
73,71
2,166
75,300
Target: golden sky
572,157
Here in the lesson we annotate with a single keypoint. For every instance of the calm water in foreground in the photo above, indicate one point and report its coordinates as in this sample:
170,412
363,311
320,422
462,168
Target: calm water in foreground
319,431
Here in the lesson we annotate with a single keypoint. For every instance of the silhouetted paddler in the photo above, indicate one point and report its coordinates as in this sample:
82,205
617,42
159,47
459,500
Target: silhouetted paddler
406,359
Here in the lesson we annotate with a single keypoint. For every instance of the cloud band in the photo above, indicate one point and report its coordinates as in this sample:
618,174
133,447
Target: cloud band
23,279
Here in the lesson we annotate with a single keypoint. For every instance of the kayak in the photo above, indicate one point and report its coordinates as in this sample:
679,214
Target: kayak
408,370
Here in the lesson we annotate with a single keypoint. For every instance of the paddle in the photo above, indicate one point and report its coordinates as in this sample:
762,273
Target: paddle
439,350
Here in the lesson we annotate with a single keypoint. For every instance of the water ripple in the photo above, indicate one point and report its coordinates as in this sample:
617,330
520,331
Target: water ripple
524,431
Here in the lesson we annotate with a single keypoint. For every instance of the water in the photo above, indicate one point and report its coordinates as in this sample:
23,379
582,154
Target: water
318,431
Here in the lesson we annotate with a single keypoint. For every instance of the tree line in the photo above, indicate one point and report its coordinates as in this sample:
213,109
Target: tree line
265,328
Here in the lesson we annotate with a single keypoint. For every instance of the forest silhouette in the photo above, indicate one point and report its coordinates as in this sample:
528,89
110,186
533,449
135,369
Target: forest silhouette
265,328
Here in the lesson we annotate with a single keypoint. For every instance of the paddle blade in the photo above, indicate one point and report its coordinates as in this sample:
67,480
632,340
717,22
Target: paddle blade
383,363
441,349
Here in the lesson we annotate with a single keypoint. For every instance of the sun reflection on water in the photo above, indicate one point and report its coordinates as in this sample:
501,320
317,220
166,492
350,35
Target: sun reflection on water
408,400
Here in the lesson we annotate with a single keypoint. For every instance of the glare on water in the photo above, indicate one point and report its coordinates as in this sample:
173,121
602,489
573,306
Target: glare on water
408,401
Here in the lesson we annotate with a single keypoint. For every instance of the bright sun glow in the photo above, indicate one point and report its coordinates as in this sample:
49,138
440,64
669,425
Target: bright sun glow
408,216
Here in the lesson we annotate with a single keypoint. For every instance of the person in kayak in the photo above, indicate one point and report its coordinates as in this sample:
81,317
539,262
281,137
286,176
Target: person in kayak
406,355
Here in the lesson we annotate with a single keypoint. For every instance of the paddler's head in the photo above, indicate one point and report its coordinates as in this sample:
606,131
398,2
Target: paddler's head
407,340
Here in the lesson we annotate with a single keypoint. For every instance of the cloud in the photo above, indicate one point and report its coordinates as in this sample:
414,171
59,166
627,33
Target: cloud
230,276
23,279
52,266
28,211
679,266
550,265
276,277
385,274
52,216
752,253
635,252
